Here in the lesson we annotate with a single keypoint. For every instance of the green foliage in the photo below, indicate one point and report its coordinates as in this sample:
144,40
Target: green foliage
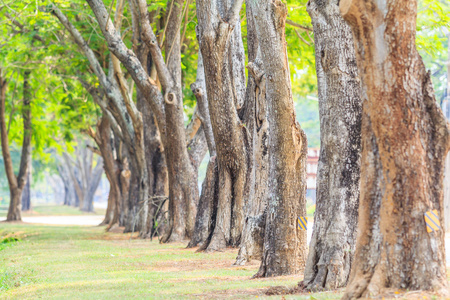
433,34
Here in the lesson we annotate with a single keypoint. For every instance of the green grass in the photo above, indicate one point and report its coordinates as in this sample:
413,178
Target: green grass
53,210
71,262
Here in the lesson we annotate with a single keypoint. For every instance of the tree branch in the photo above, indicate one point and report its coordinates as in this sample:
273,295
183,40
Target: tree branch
292,23
130,61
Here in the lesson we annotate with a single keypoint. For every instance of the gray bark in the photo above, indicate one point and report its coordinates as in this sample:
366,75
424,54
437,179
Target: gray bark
122,111
333,241
183,188
284,244
220,42
206,217
254,114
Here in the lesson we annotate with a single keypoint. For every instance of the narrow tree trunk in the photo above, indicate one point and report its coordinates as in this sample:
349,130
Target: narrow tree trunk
94,180
76,183
103,138
207,206
69,190
124,177
16,183
26,193
220,42
405,137
333,241
447,159
284,243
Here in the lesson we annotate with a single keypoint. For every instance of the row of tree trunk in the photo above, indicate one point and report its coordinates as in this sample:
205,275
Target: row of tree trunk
80,176
383,141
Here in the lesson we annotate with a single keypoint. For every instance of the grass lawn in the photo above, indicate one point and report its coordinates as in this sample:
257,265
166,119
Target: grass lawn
74,262
53,210
85,263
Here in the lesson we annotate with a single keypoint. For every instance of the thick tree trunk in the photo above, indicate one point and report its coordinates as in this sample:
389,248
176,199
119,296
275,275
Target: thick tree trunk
183,187
333,241
405,137
219,35
16,183
284,243
447,192
254,114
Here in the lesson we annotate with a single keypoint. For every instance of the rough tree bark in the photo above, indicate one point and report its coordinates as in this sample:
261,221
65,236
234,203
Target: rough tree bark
210,187
284,244
254,114
447,159
154,154
185,188
405,137
183,191
219,36
333,240
123,114
16,183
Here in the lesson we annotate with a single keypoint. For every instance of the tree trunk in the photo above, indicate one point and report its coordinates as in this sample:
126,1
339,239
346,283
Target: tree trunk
125,181
333,241
207,206
219,35
26,193
254,114
74,177
447,159
103,138
121,111
94,180
16,183
183,187
69,189
404,140
284,243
